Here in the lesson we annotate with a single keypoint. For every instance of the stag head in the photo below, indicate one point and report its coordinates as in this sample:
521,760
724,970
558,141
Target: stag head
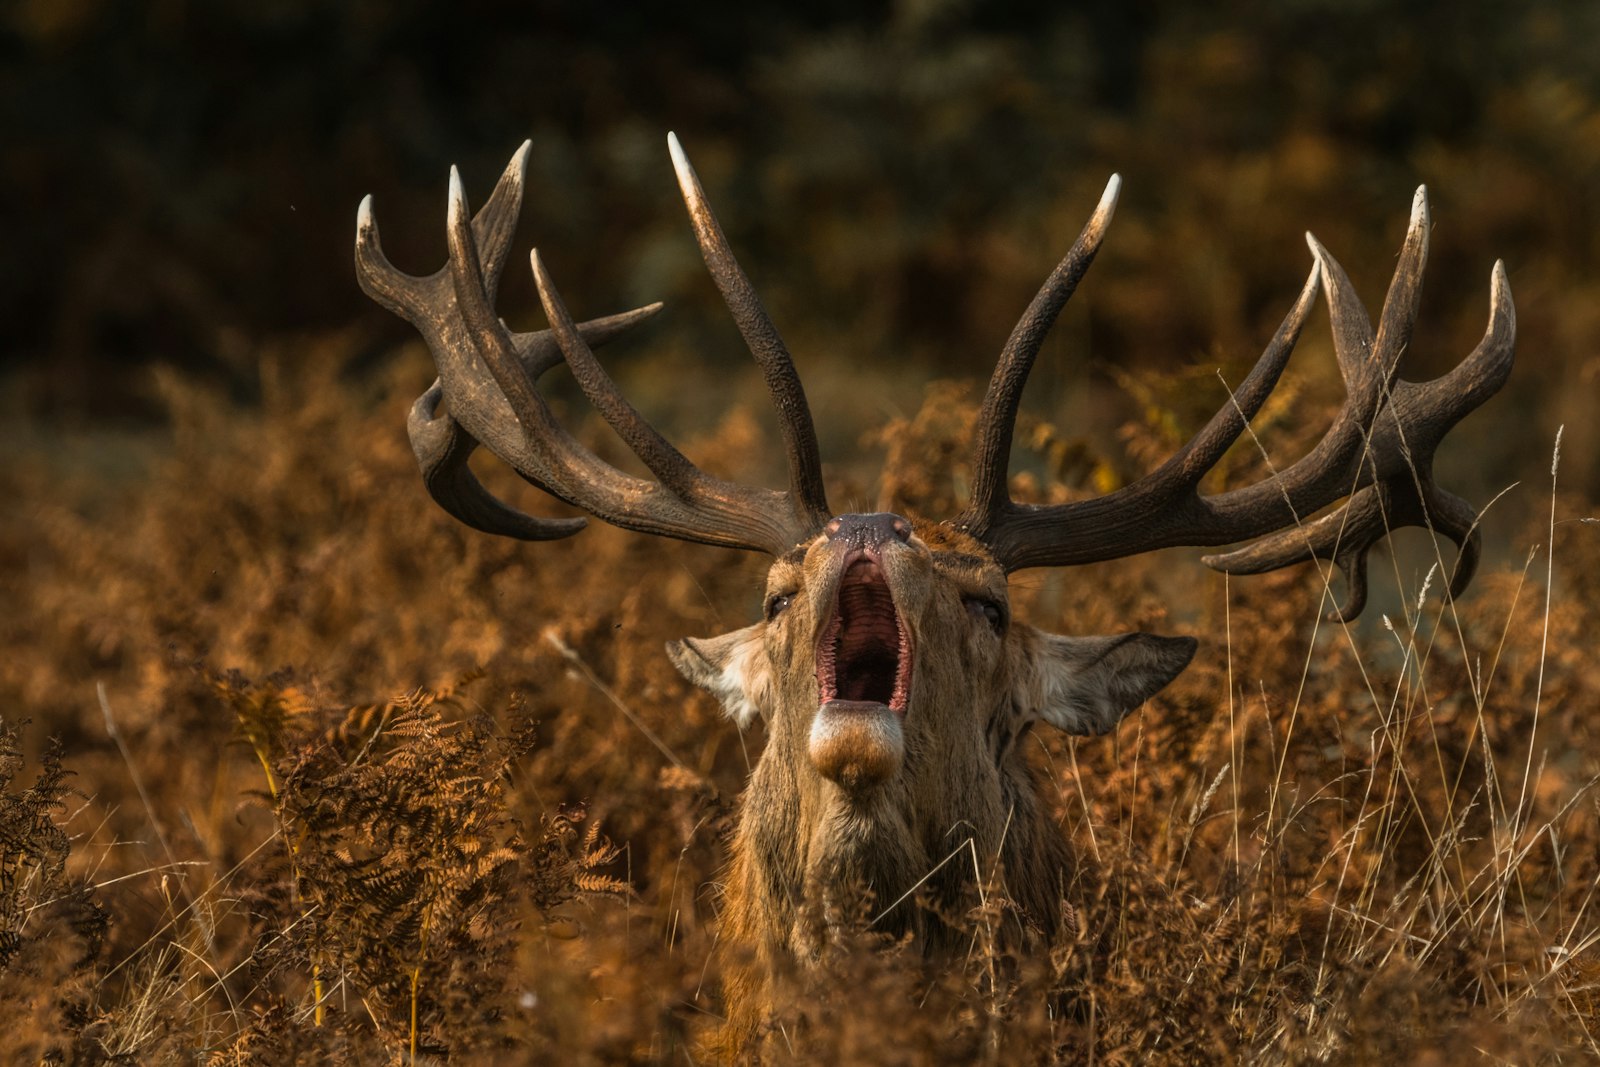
894,683
888,657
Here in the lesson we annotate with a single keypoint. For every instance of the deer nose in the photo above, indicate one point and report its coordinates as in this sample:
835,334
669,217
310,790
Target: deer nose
866,531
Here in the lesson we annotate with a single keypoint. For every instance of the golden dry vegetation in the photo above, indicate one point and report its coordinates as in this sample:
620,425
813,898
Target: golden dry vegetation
331,778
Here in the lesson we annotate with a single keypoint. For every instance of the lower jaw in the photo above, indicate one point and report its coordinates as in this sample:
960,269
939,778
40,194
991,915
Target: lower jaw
857,744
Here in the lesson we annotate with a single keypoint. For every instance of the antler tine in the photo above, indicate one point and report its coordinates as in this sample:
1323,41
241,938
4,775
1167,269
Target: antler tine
488,335
997,420
1400,304
706,511
495,225
401,293
1203,451
663,459
807,493
1479,376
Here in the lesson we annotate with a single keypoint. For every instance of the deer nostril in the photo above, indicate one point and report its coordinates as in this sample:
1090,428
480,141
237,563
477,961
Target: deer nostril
875,529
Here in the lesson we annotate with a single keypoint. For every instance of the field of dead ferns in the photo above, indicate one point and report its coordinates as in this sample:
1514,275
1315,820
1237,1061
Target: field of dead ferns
314,774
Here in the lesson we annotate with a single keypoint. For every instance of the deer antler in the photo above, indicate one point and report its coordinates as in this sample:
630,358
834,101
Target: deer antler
1378,452
488,374
1377,455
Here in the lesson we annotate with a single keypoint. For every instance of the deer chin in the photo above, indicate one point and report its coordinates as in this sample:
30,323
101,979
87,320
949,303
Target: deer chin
856,744
864,661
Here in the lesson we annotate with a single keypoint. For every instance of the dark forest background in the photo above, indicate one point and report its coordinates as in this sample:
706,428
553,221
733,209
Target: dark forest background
183,176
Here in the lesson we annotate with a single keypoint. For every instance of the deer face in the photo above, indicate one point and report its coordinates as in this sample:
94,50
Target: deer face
888,662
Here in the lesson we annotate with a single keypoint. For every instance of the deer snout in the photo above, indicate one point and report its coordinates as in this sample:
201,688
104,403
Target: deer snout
868,531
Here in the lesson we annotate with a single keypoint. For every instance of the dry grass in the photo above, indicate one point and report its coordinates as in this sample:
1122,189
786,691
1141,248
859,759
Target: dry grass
377,788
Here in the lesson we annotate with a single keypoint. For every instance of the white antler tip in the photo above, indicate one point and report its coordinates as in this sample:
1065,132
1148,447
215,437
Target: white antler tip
1108,199
458,198
1419,207
680,161
1499,290
364,214
518,167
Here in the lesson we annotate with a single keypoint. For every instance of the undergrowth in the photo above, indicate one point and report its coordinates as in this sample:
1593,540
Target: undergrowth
315,775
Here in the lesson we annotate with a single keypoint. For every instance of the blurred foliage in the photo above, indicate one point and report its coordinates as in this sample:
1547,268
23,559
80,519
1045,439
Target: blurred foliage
898,178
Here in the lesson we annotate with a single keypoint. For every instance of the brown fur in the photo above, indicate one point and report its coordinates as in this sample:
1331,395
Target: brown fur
806,846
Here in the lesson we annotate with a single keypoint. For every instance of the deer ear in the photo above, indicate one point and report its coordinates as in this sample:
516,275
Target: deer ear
733,668
1085,685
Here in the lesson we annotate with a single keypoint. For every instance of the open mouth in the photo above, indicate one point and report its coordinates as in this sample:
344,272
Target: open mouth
864,655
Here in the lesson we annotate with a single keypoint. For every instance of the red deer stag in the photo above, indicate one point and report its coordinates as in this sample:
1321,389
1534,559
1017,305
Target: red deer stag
894,683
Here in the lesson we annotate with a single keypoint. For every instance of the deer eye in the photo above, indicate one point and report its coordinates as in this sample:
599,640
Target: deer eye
777,604
987,610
